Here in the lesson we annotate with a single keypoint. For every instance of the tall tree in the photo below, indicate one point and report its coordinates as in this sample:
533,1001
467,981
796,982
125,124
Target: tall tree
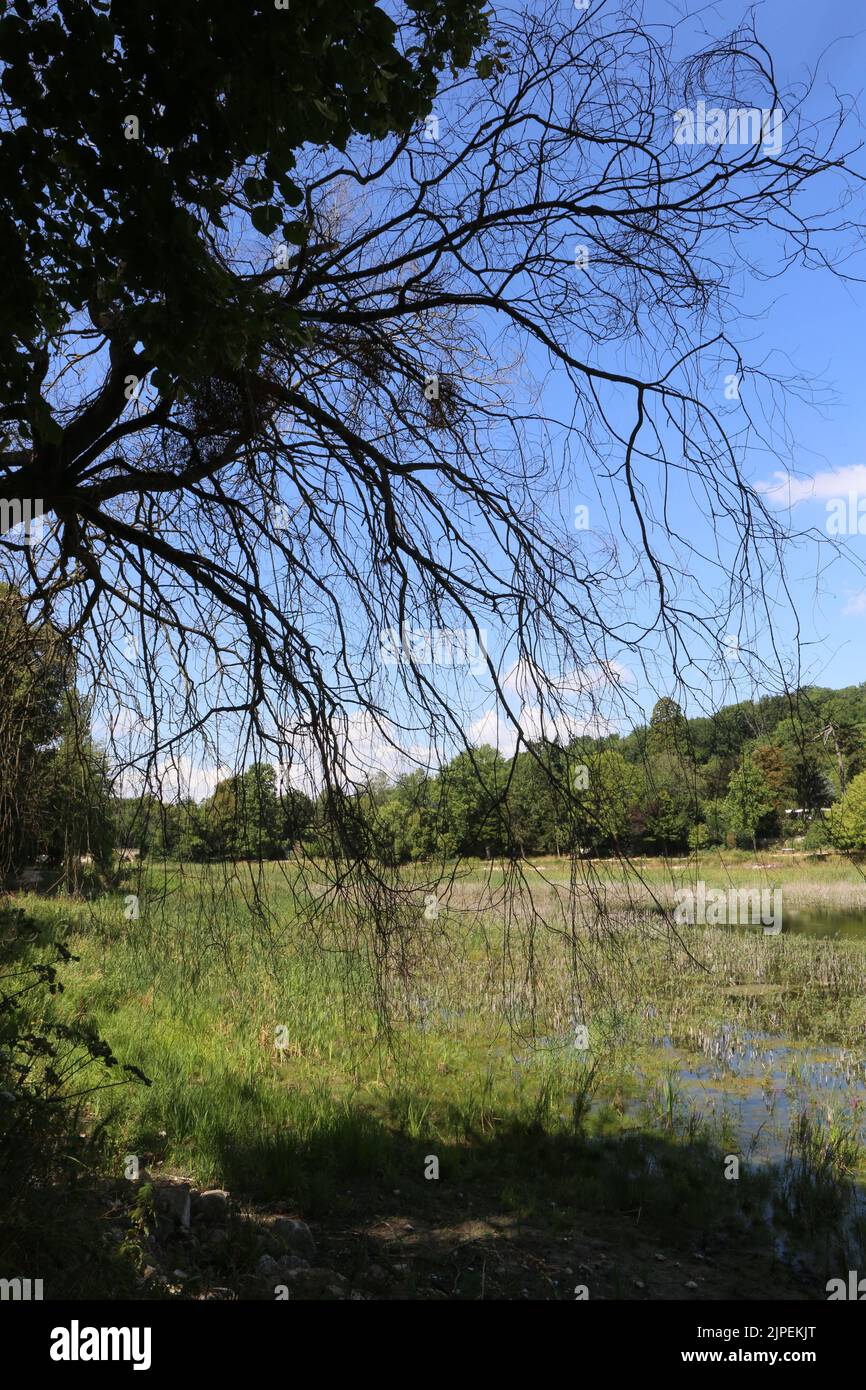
275,348
54,797
750,800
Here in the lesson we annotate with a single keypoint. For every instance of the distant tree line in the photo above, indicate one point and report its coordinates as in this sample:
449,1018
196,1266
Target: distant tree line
753,772
245,818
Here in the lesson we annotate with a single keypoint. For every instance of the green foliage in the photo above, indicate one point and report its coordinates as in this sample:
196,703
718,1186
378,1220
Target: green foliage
713,812
665,788
406,820
46,1064
245,818
131,174
817,835
699,836
54,796
471,812
668,803
604,808
76,818
667,730
847,820
749,801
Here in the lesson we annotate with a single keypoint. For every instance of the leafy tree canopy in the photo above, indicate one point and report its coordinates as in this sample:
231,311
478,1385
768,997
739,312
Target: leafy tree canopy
141,126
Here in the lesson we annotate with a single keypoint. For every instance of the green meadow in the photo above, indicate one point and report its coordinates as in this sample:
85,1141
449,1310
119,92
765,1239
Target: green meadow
572,1064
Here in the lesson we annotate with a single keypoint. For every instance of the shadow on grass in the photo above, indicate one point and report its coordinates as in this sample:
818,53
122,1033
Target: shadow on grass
515,1212
642,1210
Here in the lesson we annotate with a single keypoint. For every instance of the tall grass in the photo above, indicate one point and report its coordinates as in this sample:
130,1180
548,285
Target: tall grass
474,1059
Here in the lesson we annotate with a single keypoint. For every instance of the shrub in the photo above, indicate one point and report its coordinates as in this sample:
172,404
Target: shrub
46,1066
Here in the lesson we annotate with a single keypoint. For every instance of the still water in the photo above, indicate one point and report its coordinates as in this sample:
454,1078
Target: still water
838,925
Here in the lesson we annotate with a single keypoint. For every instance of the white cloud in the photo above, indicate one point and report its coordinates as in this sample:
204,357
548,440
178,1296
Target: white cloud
173,779
180,778
495,729
786,490
575,697
856,605
123,726
374,747
528,680
369,747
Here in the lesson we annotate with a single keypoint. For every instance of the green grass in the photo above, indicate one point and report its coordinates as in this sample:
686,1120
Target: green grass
476,1064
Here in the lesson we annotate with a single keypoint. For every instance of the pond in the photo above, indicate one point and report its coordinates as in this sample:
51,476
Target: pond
850,925
760,1083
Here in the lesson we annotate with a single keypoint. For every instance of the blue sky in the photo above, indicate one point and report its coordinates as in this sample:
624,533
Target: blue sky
819,323
805,322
